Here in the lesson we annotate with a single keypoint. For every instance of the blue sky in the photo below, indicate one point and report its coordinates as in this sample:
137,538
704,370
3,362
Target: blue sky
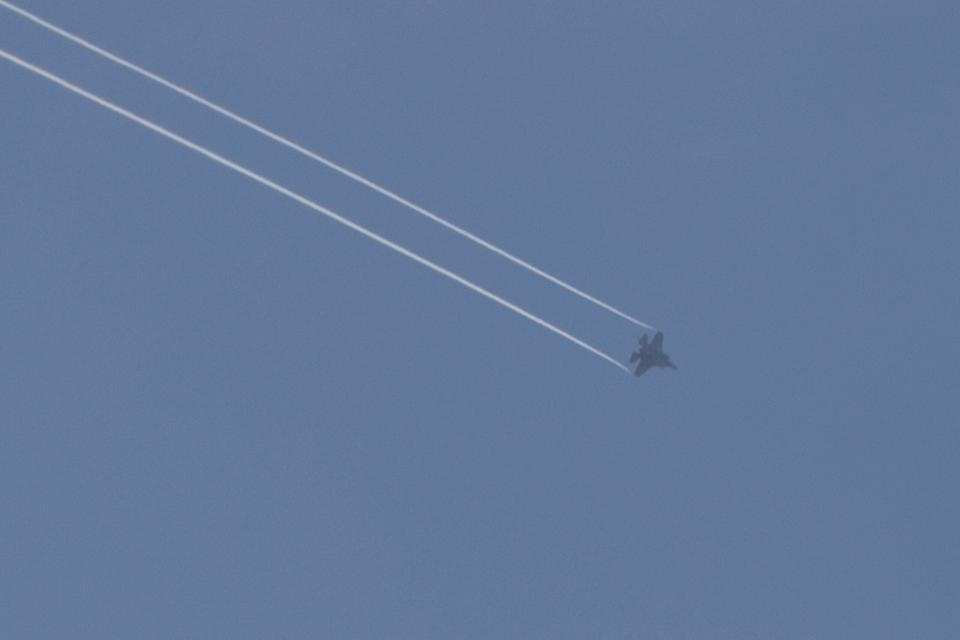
222,416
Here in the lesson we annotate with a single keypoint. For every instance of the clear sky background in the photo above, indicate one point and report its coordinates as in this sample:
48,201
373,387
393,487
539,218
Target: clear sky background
223,416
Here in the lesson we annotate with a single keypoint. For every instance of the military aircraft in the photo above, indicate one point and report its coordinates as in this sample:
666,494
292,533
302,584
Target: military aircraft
651,354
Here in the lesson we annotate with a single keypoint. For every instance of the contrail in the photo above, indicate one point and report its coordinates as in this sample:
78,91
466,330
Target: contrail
306,202
314,156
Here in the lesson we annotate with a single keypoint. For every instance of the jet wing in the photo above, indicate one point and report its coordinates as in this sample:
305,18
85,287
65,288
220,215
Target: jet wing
658,341
634,356
641,368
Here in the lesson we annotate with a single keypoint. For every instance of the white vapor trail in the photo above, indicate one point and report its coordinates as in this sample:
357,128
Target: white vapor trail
304,201
314,156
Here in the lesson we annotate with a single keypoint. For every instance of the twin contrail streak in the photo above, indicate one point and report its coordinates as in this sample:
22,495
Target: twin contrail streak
304,201
314,156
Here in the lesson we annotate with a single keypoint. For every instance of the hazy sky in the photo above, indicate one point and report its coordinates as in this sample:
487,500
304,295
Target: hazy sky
223,416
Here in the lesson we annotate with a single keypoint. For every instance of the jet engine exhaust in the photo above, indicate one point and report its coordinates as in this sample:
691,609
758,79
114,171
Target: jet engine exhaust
322,160
306,202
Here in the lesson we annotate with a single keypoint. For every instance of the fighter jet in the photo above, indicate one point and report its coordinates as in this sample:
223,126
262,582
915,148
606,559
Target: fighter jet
651,354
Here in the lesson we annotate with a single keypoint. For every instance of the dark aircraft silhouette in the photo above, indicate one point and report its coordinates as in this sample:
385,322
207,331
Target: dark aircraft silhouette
651,354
